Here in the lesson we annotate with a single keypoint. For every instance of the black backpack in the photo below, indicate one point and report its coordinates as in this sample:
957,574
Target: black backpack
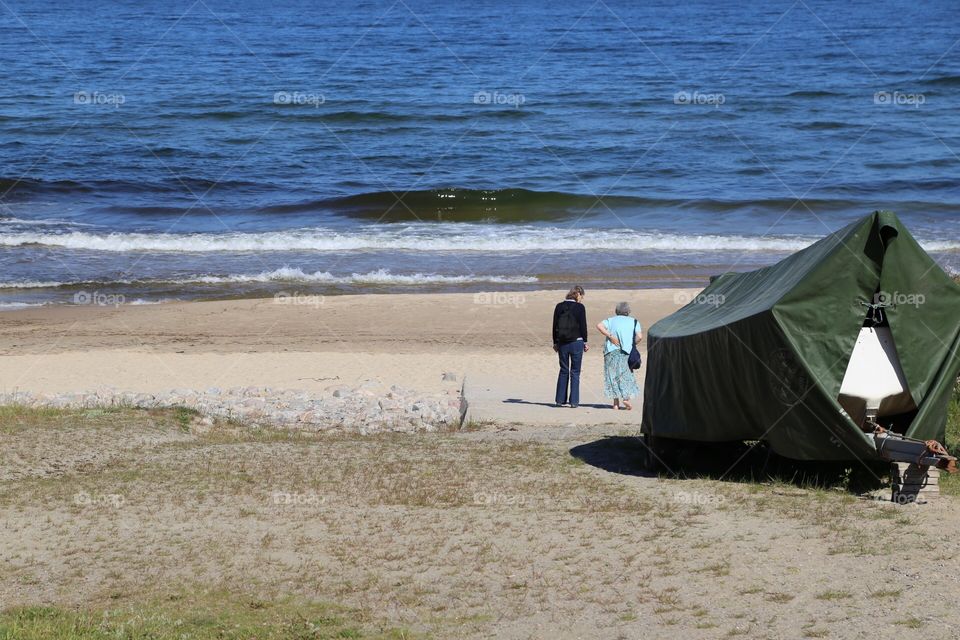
568,328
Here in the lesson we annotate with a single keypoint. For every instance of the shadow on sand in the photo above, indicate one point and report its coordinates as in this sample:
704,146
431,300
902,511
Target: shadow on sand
729,461
550,404
616,454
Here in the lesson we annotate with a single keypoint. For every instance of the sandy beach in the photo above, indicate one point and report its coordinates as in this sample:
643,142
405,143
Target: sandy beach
498,342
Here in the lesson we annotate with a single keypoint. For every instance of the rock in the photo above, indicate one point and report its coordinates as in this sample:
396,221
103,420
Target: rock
357,409
288,417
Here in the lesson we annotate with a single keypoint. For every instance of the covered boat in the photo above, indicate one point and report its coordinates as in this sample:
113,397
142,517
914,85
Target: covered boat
811,355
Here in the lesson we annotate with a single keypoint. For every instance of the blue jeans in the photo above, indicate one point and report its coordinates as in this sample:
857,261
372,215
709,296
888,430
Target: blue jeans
571,357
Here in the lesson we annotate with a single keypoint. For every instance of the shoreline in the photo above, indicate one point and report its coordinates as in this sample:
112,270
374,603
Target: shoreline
133,294
316,322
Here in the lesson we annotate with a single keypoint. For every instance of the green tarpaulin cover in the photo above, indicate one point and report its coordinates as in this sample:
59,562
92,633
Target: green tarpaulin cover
761,355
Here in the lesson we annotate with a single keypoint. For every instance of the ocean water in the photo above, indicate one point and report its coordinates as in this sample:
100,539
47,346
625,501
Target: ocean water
201,149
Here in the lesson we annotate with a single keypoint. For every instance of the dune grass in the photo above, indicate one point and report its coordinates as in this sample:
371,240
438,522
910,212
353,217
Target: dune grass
950,482
953,421
144,524
193,615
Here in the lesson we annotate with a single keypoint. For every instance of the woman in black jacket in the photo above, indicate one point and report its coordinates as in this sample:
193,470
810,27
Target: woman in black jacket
570,342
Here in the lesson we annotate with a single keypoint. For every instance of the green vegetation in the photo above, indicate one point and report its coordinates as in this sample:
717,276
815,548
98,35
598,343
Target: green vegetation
953,420
131,500
950,482
834,595
184,416
912,622
193,616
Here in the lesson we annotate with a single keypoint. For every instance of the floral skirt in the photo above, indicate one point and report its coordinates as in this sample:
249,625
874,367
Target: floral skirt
618,380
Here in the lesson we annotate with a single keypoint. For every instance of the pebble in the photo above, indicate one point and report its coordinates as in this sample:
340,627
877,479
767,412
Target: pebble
358,409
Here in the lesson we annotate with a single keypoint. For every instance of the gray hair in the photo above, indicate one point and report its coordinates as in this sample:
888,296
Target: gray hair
623,309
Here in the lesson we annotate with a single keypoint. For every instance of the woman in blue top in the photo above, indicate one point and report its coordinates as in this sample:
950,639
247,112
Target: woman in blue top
621,330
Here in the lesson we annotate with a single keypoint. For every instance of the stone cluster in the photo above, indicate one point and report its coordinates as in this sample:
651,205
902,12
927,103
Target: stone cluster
366,408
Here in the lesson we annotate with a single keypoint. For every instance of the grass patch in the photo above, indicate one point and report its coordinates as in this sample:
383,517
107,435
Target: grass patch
950,482
194,616
779,598
912,622
718,569
184,416
953,421
834,595
17,417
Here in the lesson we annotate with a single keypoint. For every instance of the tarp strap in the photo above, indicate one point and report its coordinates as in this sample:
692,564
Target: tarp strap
875,312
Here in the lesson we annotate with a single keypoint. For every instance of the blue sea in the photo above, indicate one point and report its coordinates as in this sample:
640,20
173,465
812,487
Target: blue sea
205,149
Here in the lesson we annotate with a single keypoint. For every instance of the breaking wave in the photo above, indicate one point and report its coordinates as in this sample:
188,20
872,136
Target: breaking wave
453,238
292,275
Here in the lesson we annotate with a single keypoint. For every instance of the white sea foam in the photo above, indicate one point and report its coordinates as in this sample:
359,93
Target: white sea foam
939,245
32,284
295,275
380,276
463,237
42,223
